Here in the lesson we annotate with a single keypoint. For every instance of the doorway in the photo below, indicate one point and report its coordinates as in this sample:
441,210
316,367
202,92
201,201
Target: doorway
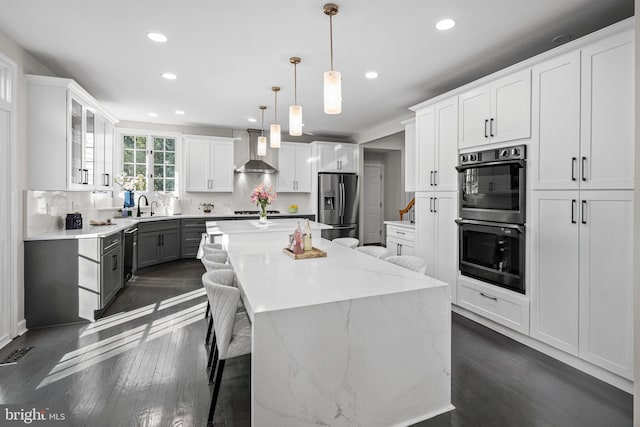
373,198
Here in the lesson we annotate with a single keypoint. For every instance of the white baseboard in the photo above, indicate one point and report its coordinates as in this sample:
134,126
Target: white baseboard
21,327
586,367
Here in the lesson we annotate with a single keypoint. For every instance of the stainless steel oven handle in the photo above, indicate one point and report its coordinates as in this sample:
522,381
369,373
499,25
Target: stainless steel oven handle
518,162
518,227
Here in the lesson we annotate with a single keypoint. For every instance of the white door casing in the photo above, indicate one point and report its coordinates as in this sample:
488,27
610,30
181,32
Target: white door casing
8,205
373,179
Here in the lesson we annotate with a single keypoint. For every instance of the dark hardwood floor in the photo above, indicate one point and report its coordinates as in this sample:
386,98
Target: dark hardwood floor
143,364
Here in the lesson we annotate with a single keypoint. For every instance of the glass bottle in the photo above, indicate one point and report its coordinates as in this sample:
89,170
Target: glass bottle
307,237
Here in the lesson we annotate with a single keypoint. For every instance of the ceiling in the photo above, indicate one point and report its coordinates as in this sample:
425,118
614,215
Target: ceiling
227,55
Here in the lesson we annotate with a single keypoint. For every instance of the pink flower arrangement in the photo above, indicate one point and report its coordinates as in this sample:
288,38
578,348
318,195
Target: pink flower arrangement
263,196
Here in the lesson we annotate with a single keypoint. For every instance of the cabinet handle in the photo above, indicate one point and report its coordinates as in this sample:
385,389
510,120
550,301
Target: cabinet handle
584,164
430,204
584,214
491,127
431,178
486,122
107,180
574,160
400,249
400,232
86,176
397,248
435,178
488,296
114,262
573,211
435,201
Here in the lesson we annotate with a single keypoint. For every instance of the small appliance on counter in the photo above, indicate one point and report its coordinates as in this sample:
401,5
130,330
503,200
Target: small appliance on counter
73,221
175,207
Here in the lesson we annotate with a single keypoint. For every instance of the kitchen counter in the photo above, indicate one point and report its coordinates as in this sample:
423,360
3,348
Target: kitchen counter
122,223
348,334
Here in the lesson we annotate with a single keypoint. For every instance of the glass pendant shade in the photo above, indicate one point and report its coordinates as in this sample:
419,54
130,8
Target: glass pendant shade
262,146
274,135
332,92
295,120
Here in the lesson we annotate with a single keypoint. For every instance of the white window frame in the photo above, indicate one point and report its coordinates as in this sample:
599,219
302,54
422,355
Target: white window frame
149,134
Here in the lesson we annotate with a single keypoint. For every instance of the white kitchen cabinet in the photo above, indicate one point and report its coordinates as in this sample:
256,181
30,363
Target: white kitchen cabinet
496,112
553,160
425,147
66,136
607,114
437,235
581,280
410,156
437,146
294,168
209,163
555,268
400,238
606,280
337,157
104,154
583,124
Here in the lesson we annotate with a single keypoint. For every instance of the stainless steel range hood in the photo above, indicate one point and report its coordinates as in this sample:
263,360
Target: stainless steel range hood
255,165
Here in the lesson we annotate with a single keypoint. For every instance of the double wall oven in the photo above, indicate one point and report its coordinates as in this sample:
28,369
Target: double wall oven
492,216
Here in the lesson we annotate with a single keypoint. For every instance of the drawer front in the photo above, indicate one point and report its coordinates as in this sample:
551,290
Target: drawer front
192,236
199,223
110,241
169,224
511,313
401,233
189,250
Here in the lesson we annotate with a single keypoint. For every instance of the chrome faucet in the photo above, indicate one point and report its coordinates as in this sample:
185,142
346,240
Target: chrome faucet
152,206
146,203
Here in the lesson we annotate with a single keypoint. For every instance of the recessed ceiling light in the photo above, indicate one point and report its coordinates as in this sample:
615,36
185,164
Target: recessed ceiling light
157,37
179,112
152,115
371,75
445,24
252,120
169,76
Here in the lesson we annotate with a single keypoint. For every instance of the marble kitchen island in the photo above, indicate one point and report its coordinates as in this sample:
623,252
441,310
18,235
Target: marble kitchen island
346,340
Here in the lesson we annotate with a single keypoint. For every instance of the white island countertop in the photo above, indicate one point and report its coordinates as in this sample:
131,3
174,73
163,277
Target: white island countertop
344,340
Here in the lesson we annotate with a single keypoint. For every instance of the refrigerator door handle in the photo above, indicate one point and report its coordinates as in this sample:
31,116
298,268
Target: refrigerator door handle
342,201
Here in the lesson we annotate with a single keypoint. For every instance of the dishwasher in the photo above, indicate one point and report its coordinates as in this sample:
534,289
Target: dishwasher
130,253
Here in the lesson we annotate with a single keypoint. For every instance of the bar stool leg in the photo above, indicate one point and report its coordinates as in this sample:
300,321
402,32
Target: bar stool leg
209,328
214,365
216,391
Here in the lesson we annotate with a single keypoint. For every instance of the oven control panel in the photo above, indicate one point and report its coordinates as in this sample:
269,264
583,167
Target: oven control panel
517,152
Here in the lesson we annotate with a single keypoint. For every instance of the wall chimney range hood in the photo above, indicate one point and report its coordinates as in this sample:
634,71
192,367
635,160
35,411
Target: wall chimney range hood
254,165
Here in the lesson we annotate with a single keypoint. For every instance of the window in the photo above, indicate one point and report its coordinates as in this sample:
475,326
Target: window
164,163
153,156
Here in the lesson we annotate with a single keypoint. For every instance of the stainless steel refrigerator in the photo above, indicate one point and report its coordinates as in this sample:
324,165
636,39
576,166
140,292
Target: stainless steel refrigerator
338,204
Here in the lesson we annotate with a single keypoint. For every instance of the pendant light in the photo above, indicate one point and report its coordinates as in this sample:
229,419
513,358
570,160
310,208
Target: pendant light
262,140
332,78
274,135
295,110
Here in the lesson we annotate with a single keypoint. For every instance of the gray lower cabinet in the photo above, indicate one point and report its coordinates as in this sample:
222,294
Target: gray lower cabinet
70,280
192,229
158,242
